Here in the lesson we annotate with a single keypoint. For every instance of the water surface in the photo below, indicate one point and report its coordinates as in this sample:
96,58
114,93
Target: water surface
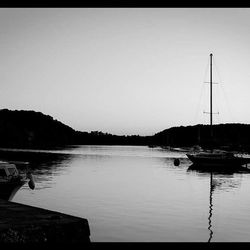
136,194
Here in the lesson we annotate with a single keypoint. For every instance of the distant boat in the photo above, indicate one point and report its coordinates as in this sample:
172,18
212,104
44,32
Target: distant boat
216,158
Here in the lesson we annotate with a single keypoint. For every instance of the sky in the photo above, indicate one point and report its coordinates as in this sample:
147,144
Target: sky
126,71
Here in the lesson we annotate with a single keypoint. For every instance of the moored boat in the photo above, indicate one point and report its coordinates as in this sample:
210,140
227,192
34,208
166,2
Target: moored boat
10,179
215,158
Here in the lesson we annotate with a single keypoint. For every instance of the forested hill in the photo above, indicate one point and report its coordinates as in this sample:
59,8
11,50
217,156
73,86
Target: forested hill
233,136
30,129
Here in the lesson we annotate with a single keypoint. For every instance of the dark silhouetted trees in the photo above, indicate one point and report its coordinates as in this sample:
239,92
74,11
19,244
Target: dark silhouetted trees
30,129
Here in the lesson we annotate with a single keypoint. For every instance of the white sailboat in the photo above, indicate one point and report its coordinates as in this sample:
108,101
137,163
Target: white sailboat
216,158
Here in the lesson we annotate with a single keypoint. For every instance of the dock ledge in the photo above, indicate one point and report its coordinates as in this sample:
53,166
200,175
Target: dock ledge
27,224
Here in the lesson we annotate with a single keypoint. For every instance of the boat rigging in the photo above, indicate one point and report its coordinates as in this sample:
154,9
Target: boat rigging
216,158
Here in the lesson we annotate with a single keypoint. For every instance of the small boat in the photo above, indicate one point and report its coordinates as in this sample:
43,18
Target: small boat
10,179
216,158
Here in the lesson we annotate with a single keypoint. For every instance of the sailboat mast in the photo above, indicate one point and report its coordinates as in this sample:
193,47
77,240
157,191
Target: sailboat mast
211,98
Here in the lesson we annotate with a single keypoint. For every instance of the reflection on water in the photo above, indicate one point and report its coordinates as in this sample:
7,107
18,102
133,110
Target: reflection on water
134,194
212,186
221,179
43,167
45,171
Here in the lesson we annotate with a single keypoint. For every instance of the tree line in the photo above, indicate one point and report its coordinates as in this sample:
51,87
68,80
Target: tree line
31,129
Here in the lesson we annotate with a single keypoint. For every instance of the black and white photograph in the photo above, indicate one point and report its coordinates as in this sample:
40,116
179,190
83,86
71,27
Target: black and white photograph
124,125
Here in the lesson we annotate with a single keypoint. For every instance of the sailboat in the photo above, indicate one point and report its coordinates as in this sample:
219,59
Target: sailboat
216,158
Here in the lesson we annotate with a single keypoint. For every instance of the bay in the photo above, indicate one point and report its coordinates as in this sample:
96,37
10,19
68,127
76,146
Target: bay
137,194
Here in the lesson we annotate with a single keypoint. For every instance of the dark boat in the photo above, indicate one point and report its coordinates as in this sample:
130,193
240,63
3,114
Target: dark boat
217,159
10,180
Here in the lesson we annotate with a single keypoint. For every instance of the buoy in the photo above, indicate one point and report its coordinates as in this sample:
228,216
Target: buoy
31,183
176,162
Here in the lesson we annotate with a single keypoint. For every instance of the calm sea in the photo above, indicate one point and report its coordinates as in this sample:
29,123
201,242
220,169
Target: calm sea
137,194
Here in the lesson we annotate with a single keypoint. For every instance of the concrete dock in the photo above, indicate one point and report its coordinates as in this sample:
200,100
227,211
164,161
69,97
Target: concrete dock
26,224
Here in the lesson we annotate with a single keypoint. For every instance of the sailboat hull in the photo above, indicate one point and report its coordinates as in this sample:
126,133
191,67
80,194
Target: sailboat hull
208,161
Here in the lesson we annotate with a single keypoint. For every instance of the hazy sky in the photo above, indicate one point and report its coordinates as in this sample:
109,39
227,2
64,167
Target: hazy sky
126,70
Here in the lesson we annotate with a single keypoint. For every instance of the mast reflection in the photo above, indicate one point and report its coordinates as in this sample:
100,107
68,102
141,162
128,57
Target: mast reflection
226,176
212,186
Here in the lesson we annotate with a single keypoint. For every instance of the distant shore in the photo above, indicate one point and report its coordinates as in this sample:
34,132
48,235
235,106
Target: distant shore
34,130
